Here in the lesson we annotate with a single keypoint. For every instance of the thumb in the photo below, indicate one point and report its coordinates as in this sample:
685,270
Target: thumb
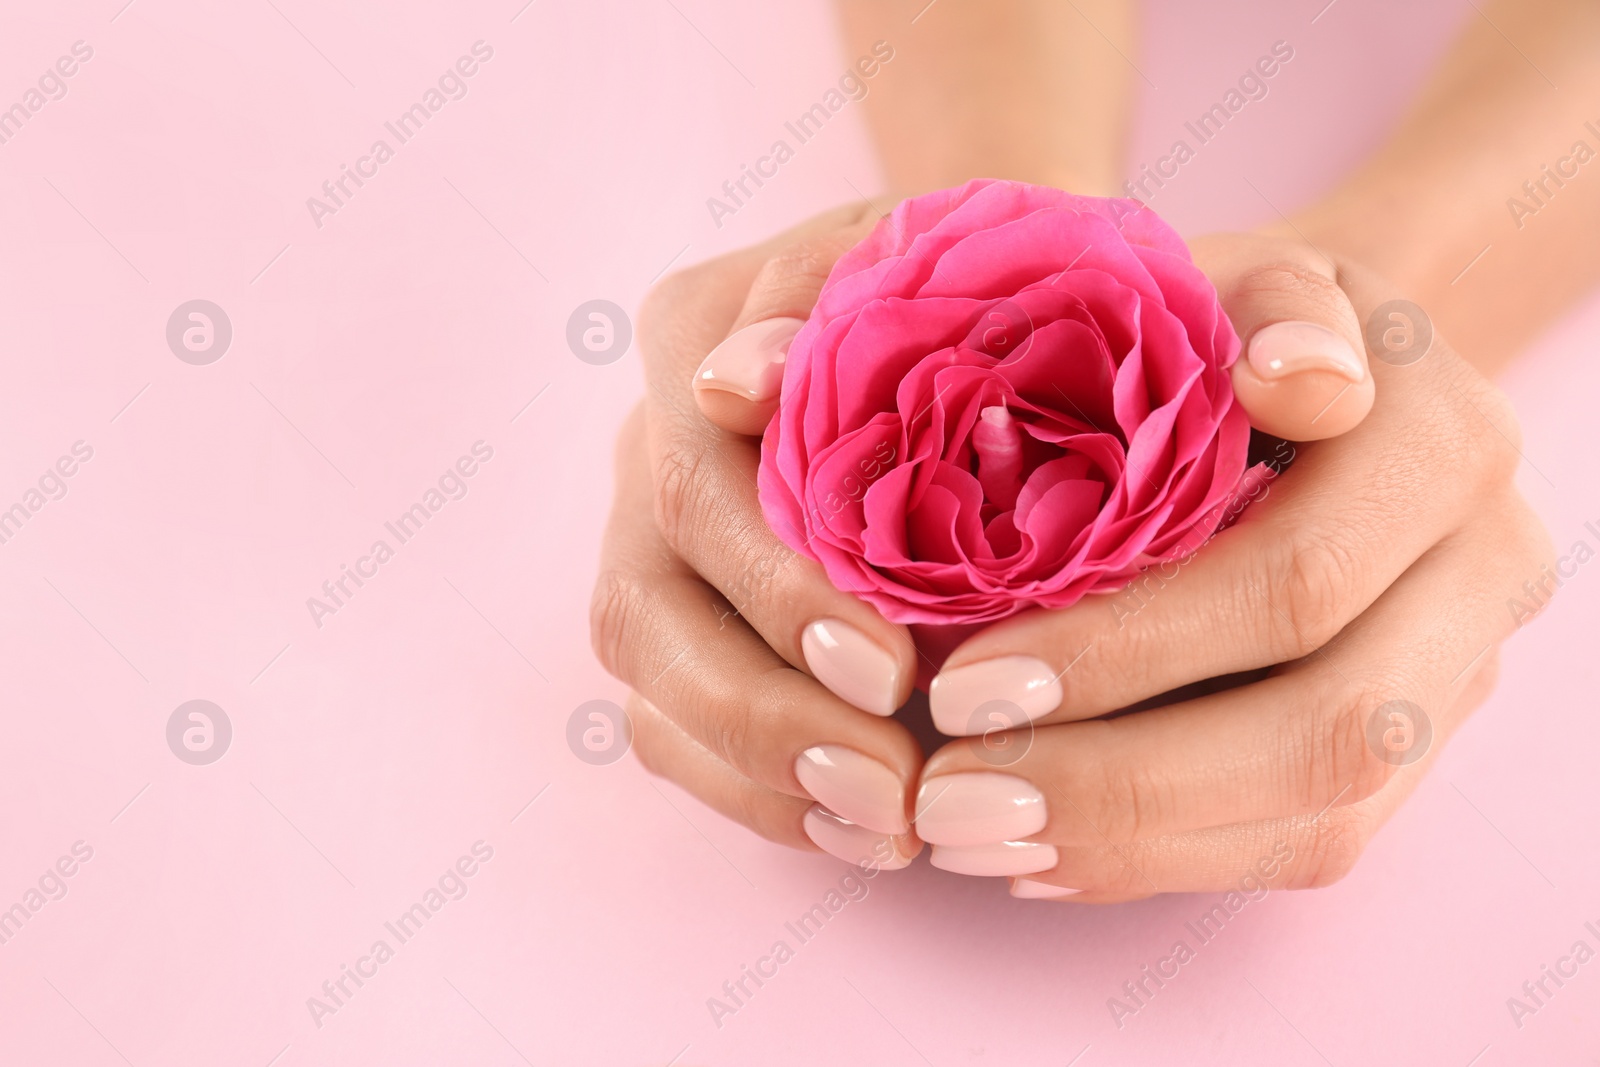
738,383
1302,374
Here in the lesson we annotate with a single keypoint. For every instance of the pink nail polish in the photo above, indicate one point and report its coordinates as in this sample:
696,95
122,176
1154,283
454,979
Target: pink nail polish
1027,889
854,844
1286,348
994,860
856,668
978,808
854,786
1014,684
749,363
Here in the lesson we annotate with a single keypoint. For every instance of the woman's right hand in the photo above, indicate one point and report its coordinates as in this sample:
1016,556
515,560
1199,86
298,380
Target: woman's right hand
759,687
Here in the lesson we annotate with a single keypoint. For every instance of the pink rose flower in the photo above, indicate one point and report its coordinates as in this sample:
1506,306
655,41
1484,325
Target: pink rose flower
1007,396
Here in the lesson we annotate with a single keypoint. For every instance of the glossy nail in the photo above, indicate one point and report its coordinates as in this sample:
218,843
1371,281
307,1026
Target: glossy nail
855,787
749,363
856,668
978,808
1286,348
994,860
1028,889
855,844
1018,684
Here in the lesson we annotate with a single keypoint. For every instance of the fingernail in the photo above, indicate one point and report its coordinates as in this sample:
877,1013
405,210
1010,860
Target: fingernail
958,694
994,860
1027,889
978,808
854,844
856,787
749,363
1286,348
856,668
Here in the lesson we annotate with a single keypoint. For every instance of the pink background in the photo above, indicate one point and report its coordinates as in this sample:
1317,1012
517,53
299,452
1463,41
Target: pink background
372,752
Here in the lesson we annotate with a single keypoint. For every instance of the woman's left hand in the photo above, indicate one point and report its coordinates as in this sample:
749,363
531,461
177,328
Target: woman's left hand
1373,581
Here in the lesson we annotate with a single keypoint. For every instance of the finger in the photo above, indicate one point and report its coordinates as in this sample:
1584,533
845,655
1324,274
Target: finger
707,509
675,642
1249,859
667,752
1294,744
1246,859
737,384
1313,549
1311,852
1303,371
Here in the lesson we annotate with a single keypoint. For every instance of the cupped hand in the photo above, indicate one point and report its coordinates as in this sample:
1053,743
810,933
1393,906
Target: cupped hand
1370,581
759,687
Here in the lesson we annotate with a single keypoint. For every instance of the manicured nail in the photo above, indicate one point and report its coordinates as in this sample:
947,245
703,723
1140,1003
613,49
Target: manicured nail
856,668
854,844
994,860
1286,348
749,363
978,808
958,694
856,787
1028,889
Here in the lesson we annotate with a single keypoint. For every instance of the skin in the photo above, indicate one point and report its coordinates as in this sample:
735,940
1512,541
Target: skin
1377,568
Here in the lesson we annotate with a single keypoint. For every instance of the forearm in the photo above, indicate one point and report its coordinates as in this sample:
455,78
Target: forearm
1032,90
1482,205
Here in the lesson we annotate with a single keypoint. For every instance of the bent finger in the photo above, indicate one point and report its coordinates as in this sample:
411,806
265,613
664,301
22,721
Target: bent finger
668,752
1303,372
737,384
1245,859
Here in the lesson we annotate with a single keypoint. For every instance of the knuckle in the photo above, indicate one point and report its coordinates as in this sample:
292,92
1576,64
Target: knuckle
1122,874
1338,764
794,275
1332,847
676,293
1295,282
618,600
1133,803
649,746
720,717
680,492
1315,578
1528,536
705,521
1492,432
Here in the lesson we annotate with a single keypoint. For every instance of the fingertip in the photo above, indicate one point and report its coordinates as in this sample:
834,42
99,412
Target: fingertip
1028,889
1303,382
857,668
734,413
737,384
858,845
